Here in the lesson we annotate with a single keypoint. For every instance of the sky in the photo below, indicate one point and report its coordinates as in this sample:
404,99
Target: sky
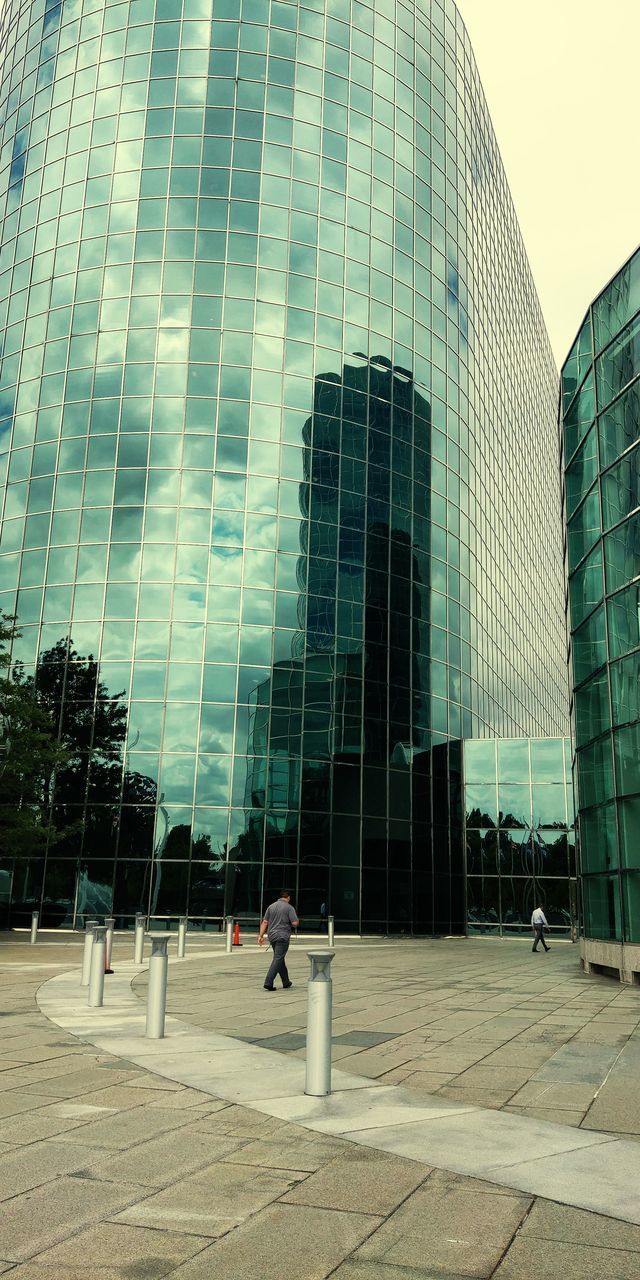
561,79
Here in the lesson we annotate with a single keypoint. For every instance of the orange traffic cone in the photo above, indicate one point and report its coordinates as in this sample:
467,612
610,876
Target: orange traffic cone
236,936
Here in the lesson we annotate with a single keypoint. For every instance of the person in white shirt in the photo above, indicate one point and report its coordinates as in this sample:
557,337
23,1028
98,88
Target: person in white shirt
539,924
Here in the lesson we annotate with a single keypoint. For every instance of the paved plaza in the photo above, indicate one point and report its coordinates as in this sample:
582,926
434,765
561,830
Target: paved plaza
477,1051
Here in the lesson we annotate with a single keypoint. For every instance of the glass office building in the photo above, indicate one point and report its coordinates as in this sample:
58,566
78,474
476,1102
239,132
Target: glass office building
600,416
519,834
278,412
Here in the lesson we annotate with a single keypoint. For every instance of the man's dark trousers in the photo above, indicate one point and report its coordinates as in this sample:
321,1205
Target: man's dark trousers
278,966
539,932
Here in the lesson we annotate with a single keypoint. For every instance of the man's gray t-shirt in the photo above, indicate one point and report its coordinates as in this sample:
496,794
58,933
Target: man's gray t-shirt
280,917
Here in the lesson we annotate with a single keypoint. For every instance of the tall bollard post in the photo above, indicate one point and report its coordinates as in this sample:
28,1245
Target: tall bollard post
90,925
34,928
157,995
138,945
182,936
110,924
330,931
96,980
229,938
317,1081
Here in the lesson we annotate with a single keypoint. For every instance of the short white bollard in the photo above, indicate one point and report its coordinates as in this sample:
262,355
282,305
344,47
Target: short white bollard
317,1081
34,928
138,945
182,936
90,925
157,994
330,931
96,980
228,946
110,925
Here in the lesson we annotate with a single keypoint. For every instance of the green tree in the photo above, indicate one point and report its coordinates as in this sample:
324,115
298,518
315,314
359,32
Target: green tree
30,757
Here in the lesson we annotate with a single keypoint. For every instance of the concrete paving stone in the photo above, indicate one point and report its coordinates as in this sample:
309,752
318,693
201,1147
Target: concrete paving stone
75,1083
12,1102
549,1221
147,1081
583,1064
33,1126
213,1200
444,1178
450,1229
140,1252
120,1097
359,1184
315,1242
32,1166
304,1153
492,1077
187,1100
238,1121
43,1217
363,1039
492,1098
34,1072
616,1108
531,1260
162,1160
550,1094
426,1081
363,1270
558,1115
127,1128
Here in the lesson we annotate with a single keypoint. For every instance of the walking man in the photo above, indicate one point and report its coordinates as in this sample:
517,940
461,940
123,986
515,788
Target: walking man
539,924
279,919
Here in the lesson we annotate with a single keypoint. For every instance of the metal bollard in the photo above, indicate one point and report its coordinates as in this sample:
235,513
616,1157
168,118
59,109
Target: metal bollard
317,1081
157,996
90,925
182,936
34,927
138,945
330,931
229,939
110,925
96,980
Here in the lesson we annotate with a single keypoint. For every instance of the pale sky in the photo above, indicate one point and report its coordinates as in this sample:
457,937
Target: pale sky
561,79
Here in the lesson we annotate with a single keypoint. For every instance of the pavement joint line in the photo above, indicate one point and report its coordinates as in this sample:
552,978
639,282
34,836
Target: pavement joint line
275,1089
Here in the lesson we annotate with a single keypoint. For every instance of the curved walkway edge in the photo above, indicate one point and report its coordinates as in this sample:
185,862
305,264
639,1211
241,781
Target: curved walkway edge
578,1167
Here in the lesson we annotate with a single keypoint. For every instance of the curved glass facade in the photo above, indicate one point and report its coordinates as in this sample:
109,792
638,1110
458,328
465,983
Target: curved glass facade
601,430
279,411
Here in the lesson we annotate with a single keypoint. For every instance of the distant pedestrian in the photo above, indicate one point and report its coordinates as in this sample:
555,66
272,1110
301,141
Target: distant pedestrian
278,921
539,924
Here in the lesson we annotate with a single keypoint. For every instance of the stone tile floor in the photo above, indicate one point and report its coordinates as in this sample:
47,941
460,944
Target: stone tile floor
114,1172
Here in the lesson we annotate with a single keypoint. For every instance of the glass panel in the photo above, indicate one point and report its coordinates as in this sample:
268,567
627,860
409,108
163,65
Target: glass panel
629,823
583,528
592,710
625,689
598,839
582,472
579,418
577,363
631,899
513,760
517,896
623,613
547,759
586,587
601,896
618,303
621,489
619,426
622,553
626,749
595,773
483,905
549,804
553,896
619,364
589,646
480,761
514,804
481,805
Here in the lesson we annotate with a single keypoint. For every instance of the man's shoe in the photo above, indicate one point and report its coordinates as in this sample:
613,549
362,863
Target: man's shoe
268,988
286,985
